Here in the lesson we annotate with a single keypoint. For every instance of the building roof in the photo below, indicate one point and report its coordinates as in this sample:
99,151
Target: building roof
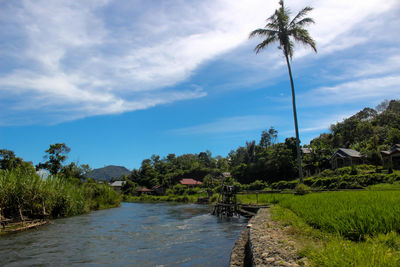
226,174
117,183
189,181
143,189
393,150
306,150
346,152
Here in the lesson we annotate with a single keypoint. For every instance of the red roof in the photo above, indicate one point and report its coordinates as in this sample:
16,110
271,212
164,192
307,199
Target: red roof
189,181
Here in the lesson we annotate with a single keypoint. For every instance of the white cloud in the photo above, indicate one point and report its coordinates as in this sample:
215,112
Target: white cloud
81,57
375,89
84,58
229,125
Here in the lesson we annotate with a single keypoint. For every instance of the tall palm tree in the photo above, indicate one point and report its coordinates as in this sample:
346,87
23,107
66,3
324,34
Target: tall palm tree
281,29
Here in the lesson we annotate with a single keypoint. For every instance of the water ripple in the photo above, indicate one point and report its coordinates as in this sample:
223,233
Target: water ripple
133,235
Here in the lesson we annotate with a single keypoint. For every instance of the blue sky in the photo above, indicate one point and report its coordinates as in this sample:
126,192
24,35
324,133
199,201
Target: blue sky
118,81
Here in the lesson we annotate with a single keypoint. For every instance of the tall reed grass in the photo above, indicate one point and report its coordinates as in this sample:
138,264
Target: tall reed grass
23,194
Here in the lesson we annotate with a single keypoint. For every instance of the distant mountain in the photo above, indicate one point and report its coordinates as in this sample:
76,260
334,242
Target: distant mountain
108,172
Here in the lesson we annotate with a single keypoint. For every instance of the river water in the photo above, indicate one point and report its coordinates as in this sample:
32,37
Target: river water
136,234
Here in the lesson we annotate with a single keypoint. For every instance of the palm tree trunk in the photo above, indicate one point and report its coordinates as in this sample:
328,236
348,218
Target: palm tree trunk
295,121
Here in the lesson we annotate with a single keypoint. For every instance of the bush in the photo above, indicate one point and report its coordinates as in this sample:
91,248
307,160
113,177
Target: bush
284,185
257,185
326,173
301,189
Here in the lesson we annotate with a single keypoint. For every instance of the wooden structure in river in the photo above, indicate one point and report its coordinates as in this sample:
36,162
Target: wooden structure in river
227,204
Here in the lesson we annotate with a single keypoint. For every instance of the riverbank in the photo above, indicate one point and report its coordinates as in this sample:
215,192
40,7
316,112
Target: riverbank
265,242
22,226
26,197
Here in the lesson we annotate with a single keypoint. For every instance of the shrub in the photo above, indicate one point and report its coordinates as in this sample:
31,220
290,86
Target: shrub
284,185
301,189
257,185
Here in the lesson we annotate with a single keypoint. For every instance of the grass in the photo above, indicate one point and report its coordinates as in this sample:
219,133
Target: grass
393,186
329,249
351,214
354,215
22,191
262,198
348,228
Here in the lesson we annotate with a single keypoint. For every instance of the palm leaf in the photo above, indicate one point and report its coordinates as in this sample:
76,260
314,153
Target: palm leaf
301,14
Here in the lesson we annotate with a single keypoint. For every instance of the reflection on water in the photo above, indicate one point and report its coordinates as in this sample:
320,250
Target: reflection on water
135,234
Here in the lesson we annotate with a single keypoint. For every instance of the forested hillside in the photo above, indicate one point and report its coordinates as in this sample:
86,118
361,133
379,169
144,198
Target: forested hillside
368,131
108,172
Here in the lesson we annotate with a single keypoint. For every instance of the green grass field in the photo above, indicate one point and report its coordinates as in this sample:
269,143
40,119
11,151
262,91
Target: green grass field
348,228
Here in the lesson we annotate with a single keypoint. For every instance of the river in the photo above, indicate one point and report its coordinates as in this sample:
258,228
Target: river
135,234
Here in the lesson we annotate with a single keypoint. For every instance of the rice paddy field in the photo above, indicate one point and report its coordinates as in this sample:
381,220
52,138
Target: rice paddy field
349,228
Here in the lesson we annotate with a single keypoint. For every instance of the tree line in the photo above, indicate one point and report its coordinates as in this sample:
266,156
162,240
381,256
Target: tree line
368,131
264,161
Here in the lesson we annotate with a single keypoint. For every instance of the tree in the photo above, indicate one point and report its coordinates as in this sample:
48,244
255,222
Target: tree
74,171
56,155
280,29
268,138
8,160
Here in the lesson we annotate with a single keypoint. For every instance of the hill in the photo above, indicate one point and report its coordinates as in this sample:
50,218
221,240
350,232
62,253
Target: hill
109,172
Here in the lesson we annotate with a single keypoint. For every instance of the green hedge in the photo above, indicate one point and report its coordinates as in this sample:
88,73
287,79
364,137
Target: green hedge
342,179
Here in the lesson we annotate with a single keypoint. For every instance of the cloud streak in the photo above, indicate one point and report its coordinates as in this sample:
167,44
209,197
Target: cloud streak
228,125
350,92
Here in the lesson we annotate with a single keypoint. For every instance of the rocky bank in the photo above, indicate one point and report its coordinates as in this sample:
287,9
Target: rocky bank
265,243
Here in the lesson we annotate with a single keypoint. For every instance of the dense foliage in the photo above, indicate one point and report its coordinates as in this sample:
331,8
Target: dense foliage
273,164
169,170
25,194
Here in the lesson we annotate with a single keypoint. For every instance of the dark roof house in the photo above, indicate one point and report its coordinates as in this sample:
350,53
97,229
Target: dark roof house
345,157
144,190
392,156
306,150
117,185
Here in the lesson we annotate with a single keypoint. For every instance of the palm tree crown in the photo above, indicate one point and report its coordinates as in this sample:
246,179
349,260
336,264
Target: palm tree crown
280,29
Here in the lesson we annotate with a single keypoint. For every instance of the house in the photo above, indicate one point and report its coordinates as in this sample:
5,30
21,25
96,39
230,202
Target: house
159,190
345,157
226,174
144,191
190,182
392,157
306,150
117,185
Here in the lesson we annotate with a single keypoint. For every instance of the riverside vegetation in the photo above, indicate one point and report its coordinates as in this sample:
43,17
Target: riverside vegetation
25,195
343,228
271,164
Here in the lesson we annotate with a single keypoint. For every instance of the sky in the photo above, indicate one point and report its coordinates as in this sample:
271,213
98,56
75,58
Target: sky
121,80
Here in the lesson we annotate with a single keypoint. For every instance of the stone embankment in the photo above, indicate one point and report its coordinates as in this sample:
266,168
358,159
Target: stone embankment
265,243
